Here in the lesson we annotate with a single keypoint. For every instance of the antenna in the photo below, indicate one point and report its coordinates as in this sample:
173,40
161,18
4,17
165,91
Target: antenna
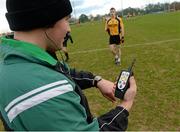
130,68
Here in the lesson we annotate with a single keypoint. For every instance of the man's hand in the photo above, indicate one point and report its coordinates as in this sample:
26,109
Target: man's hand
129,95
131,92
107,89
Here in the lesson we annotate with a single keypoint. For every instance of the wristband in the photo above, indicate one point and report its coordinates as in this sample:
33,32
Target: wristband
96,80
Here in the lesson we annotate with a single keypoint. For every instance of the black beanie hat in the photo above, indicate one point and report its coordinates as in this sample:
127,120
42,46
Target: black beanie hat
30,14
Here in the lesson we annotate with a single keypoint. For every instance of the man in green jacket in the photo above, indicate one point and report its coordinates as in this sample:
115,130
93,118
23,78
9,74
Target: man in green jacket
37,92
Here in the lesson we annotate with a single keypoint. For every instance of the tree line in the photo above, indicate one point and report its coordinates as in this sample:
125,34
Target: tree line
150,8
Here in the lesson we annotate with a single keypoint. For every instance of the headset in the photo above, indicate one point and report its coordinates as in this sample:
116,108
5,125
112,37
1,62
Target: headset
60,66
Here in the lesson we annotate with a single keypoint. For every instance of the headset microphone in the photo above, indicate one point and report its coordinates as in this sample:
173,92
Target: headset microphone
61,67
58,52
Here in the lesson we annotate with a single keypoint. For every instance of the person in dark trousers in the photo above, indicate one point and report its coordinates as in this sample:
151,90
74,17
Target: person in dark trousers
40,93
64,49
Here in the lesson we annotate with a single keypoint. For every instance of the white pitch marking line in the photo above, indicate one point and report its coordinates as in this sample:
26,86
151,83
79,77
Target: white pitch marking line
134,45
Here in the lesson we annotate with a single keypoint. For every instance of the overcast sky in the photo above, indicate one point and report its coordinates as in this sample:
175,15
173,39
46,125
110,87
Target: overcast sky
88,7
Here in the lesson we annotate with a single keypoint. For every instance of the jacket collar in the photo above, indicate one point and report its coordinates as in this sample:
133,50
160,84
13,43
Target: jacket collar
28,50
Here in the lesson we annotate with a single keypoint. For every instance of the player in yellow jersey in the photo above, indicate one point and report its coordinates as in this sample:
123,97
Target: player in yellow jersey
115,28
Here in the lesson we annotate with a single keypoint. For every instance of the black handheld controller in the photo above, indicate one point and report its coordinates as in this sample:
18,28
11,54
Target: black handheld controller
123,81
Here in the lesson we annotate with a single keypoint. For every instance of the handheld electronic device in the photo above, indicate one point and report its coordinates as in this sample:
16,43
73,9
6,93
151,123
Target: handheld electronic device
123,81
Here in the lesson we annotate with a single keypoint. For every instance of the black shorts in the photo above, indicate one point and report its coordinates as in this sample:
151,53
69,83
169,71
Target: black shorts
115,39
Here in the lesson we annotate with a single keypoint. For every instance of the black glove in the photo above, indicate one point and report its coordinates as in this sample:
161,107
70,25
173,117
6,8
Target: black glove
107,30
122,39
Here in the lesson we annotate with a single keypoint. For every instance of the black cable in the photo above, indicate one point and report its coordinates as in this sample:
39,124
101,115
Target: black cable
55,46
59,66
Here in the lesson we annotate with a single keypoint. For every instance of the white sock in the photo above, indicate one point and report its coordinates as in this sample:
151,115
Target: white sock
118,60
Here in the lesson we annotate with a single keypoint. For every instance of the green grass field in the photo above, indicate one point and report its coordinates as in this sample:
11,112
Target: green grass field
154,40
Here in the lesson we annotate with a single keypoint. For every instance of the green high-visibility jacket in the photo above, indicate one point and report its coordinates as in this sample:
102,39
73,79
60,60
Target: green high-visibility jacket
33,96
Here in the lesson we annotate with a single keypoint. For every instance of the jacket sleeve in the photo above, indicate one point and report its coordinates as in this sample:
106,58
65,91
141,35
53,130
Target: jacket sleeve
114,120
82,78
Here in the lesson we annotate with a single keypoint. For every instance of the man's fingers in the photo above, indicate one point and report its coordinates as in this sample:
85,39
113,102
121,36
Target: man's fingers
132,82
110,97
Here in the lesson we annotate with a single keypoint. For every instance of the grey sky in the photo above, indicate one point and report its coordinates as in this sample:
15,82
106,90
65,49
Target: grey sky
95,7
88,7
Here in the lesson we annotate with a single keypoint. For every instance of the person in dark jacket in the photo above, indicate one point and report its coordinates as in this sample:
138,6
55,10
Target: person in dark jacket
37,91
64,49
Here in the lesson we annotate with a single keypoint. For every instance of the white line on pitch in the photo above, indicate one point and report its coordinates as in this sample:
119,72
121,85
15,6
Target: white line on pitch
132,45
